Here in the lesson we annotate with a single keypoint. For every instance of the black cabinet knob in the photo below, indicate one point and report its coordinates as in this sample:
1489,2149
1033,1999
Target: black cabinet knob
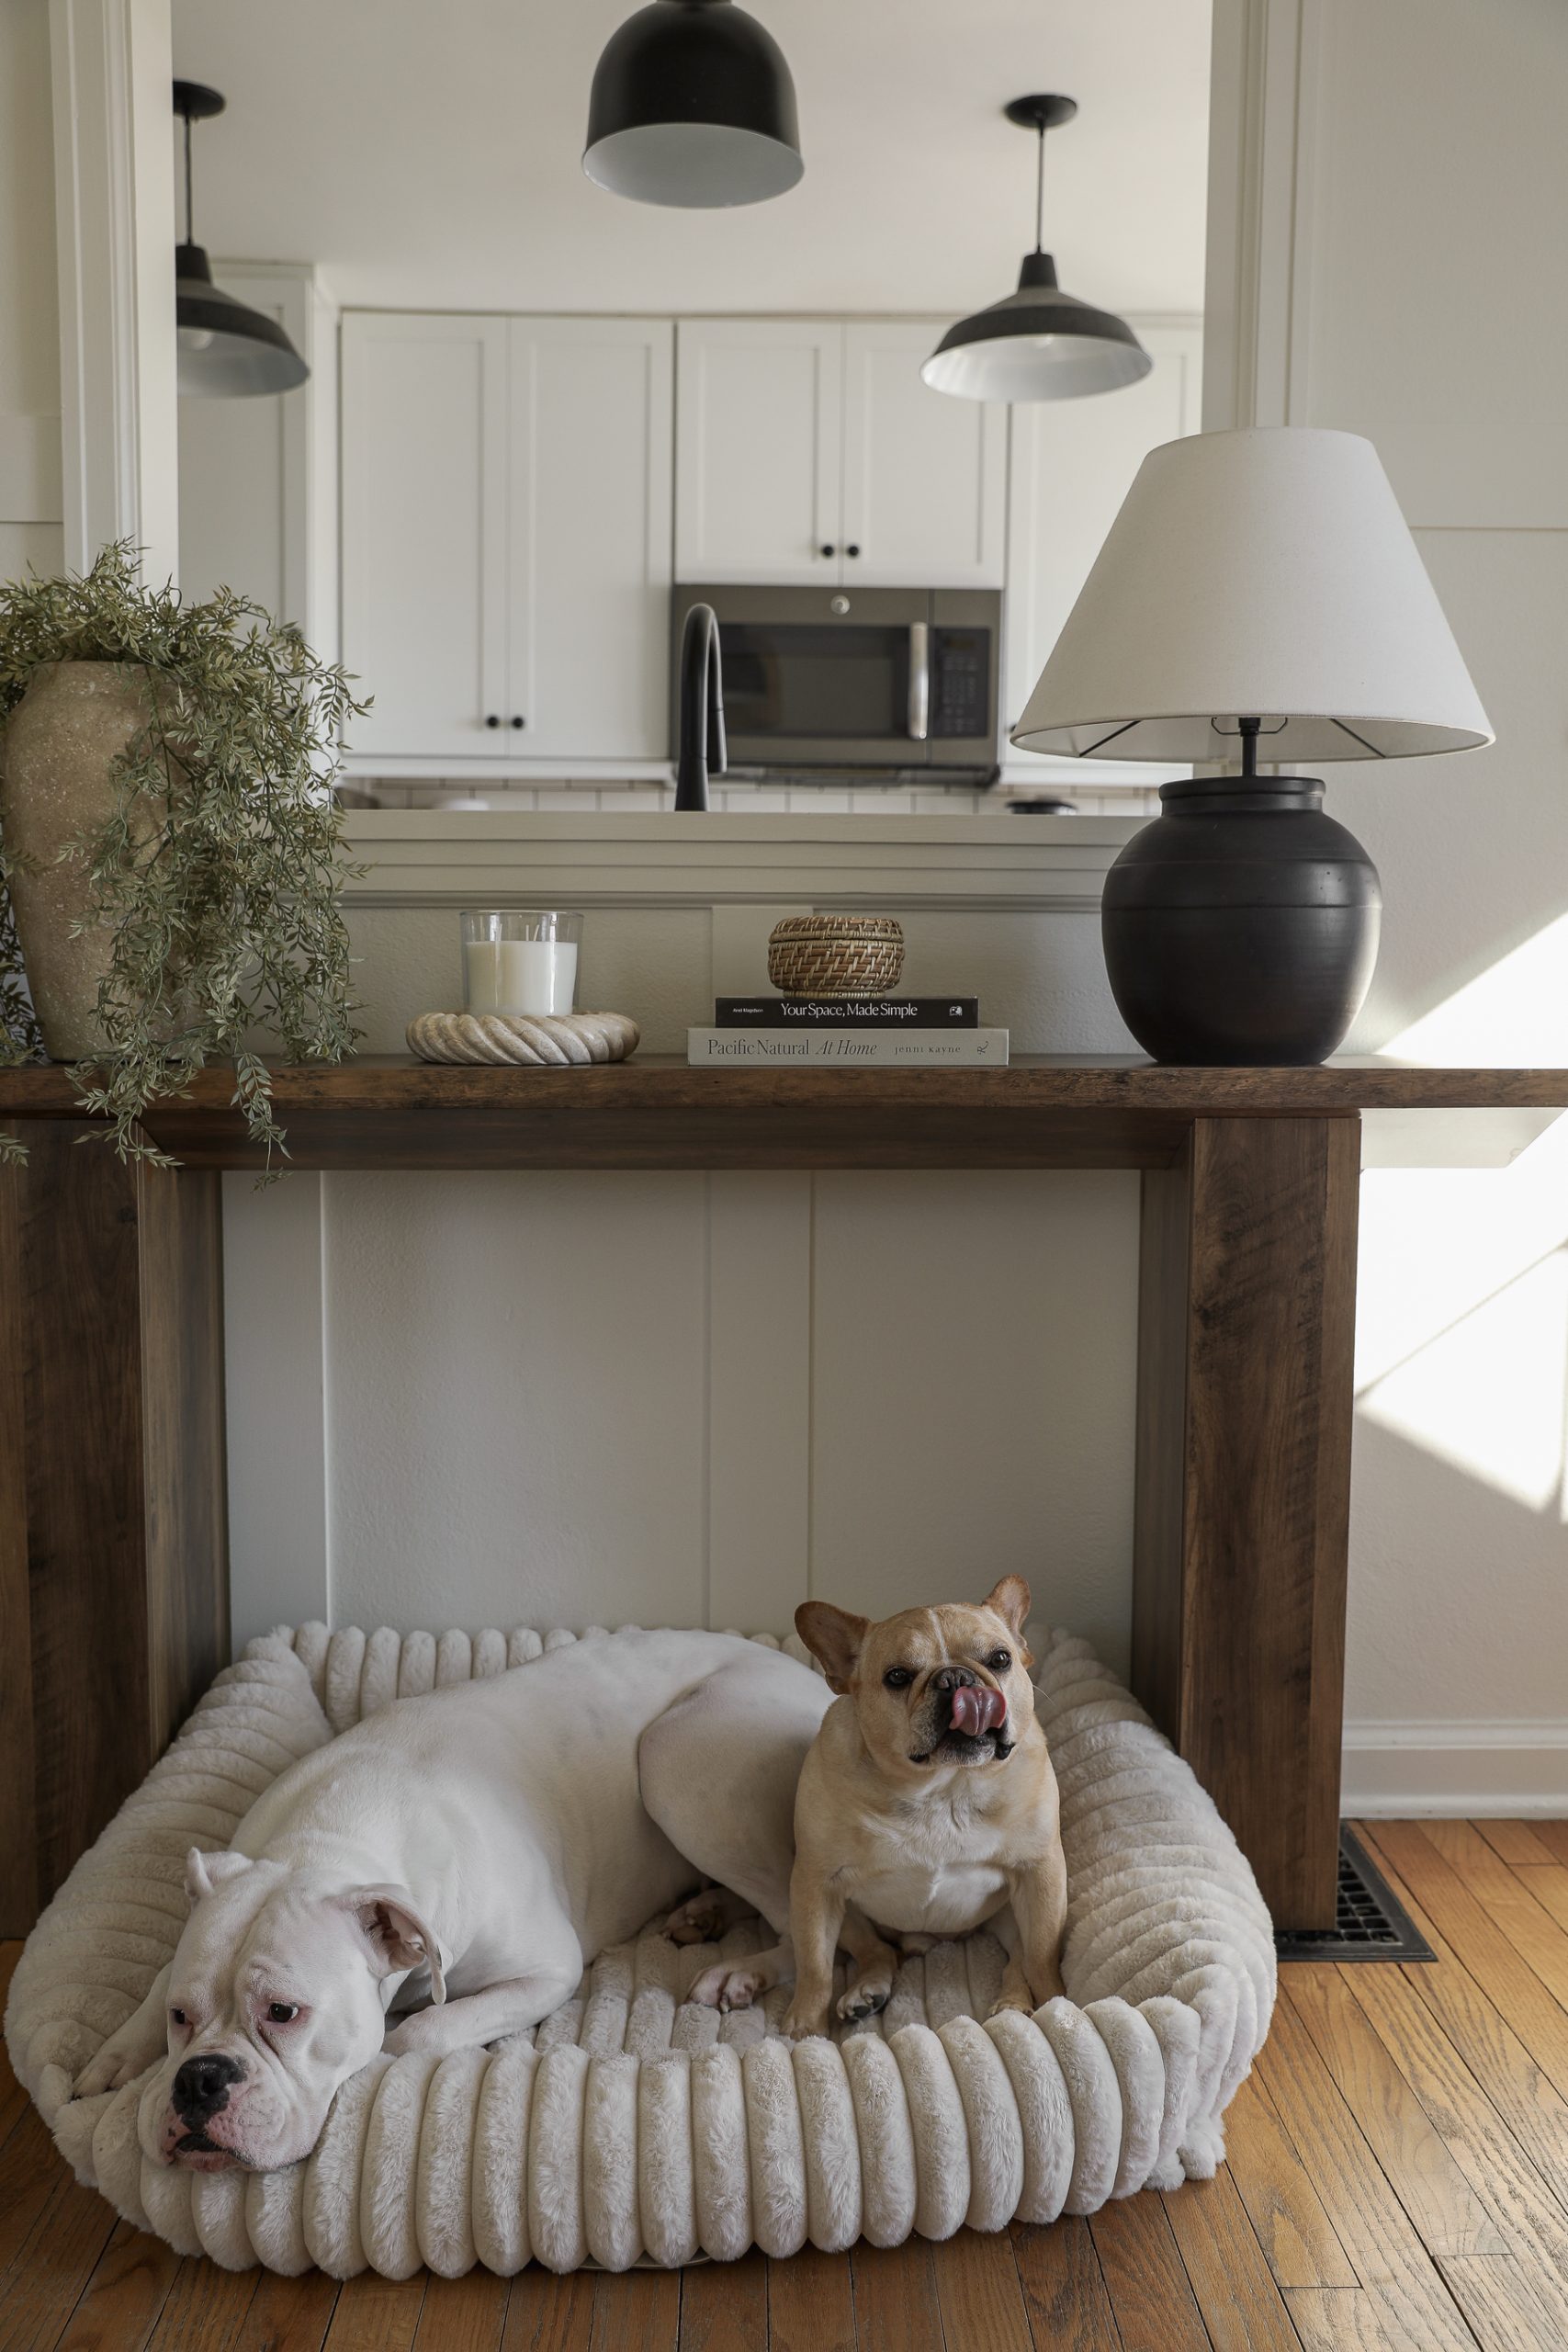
829,550
493,718
851,550
520,722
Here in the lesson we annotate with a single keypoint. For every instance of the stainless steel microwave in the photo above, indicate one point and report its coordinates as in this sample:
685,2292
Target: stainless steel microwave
875,682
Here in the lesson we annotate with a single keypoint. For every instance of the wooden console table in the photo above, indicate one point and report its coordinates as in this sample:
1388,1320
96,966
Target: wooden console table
113,1574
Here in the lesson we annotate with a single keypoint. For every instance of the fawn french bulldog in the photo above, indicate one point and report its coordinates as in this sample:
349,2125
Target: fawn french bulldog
926,1805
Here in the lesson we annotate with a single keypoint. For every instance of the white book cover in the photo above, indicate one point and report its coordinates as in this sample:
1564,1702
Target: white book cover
847,1048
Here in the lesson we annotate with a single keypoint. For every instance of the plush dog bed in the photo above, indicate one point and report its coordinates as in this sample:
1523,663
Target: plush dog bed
631,2124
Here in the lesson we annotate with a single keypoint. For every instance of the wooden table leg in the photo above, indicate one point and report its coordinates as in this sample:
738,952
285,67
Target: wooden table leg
1245,1339
114,1584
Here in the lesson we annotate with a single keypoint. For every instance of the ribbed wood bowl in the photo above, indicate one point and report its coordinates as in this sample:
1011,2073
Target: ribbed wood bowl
835,954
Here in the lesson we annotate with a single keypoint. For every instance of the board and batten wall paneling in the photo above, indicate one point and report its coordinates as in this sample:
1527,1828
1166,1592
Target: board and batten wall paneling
601,1399
30,495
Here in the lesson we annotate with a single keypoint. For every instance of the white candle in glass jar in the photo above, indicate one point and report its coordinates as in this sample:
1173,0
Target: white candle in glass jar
521,975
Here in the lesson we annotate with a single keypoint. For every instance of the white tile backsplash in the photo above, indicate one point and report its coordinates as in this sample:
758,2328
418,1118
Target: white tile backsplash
563,797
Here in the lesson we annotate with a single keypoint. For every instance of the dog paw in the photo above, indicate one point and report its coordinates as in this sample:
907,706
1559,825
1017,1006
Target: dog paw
412,2034
1011,2000
727,1988
698,1921
109,2071
803,2025
864,1998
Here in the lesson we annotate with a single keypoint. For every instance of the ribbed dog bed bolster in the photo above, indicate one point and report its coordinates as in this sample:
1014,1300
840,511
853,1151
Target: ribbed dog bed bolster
632,2124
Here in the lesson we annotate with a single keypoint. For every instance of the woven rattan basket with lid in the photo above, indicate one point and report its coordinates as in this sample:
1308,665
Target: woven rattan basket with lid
835,954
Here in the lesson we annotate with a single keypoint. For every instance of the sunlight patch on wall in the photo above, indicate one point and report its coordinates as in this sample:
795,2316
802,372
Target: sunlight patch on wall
1462,1337
1515,1014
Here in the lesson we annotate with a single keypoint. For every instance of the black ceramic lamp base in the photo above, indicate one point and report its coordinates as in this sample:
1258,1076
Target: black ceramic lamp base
1241,926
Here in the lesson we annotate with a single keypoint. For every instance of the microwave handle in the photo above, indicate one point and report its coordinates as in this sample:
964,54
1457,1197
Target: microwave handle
918,718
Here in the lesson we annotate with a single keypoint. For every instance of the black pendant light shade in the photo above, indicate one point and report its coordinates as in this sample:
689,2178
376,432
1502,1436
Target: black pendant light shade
1037,344
693,104
227,351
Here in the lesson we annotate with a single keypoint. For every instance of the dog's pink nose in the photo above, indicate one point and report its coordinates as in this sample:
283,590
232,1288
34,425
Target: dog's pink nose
976,1710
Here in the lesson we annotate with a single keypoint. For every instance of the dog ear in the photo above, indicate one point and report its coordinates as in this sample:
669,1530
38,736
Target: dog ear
396,1933
1012,1603
834,1637
205,1871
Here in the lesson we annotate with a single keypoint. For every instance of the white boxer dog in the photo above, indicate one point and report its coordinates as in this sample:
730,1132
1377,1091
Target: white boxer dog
481,1844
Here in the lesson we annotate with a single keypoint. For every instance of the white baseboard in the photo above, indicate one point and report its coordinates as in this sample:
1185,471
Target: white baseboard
1446,1768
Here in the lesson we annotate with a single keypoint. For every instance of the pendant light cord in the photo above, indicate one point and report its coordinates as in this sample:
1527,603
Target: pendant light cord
1039,191
188,236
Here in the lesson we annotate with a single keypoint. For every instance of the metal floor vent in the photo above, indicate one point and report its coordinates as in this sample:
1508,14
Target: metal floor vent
1370,1921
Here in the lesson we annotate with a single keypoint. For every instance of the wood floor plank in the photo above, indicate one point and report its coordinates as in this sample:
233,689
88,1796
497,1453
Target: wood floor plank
979,2297
1155,2308
810,2304
1064,2288
1548,1881
376,2314
125,2294
53,2264
1341,2318
1450,2217
1517,1842
1483,1947
290,2314
464,2314
1285,2209
13,2097
1241,2305
30,2176
1527,2205
548,2313
1371,2222
895,2292
1534,2110
1553,1836
1534,1934
724,2306
636,2310
205,2310
1501,2299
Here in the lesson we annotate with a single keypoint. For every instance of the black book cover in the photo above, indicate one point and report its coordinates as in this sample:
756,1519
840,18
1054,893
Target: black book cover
846,1012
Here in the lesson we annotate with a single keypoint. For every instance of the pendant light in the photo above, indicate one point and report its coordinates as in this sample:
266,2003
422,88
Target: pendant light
1038,344
693,104
226,349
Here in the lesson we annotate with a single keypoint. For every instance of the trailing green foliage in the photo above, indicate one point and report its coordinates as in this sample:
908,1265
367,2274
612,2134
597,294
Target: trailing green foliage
219,866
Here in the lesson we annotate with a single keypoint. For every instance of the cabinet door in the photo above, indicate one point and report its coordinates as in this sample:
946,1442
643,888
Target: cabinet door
925,474
757,449
424,527
1073,463
591,469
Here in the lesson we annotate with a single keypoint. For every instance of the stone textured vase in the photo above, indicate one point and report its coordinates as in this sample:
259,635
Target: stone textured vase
60,744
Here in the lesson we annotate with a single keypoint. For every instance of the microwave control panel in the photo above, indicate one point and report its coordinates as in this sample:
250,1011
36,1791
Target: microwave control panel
961,681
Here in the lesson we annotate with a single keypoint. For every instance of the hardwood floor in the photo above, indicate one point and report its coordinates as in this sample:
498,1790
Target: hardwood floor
1397,2182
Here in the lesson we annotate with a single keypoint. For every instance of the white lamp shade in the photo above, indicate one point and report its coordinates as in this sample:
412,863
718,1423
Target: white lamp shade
1264,573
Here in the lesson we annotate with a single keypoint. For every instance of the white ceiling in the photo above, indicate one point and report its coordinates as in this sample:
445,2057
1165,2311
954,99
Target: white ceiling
430,155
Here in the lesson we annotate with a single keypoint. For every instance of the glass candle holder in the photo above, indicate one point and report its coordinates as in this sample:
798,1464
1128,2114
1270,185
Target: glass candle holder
521,962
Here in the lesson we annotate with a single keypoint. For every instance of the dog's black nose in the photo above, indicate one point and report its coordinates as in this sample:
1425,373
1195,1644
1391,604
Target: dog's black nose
201,2086
954,1678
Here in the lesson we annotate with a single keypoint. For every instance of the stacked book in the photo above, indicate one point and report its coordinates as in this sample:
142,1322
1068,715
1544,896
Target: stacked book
862,1031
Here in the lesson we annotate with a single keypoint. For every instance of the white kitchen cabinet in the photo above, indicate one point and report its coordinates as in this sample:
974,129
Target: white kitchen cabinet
590,427
424,531
925,474
1072,465
808,450
507,487
758,437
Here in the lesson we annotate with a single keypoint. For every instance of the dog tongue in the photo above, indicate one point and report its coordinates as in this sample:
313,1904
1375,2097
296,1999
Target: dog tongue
976,1709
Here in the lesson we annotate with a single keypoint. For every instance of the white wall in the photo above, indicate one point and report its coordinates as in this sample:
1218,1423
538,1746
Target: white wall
1413,205
30,530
